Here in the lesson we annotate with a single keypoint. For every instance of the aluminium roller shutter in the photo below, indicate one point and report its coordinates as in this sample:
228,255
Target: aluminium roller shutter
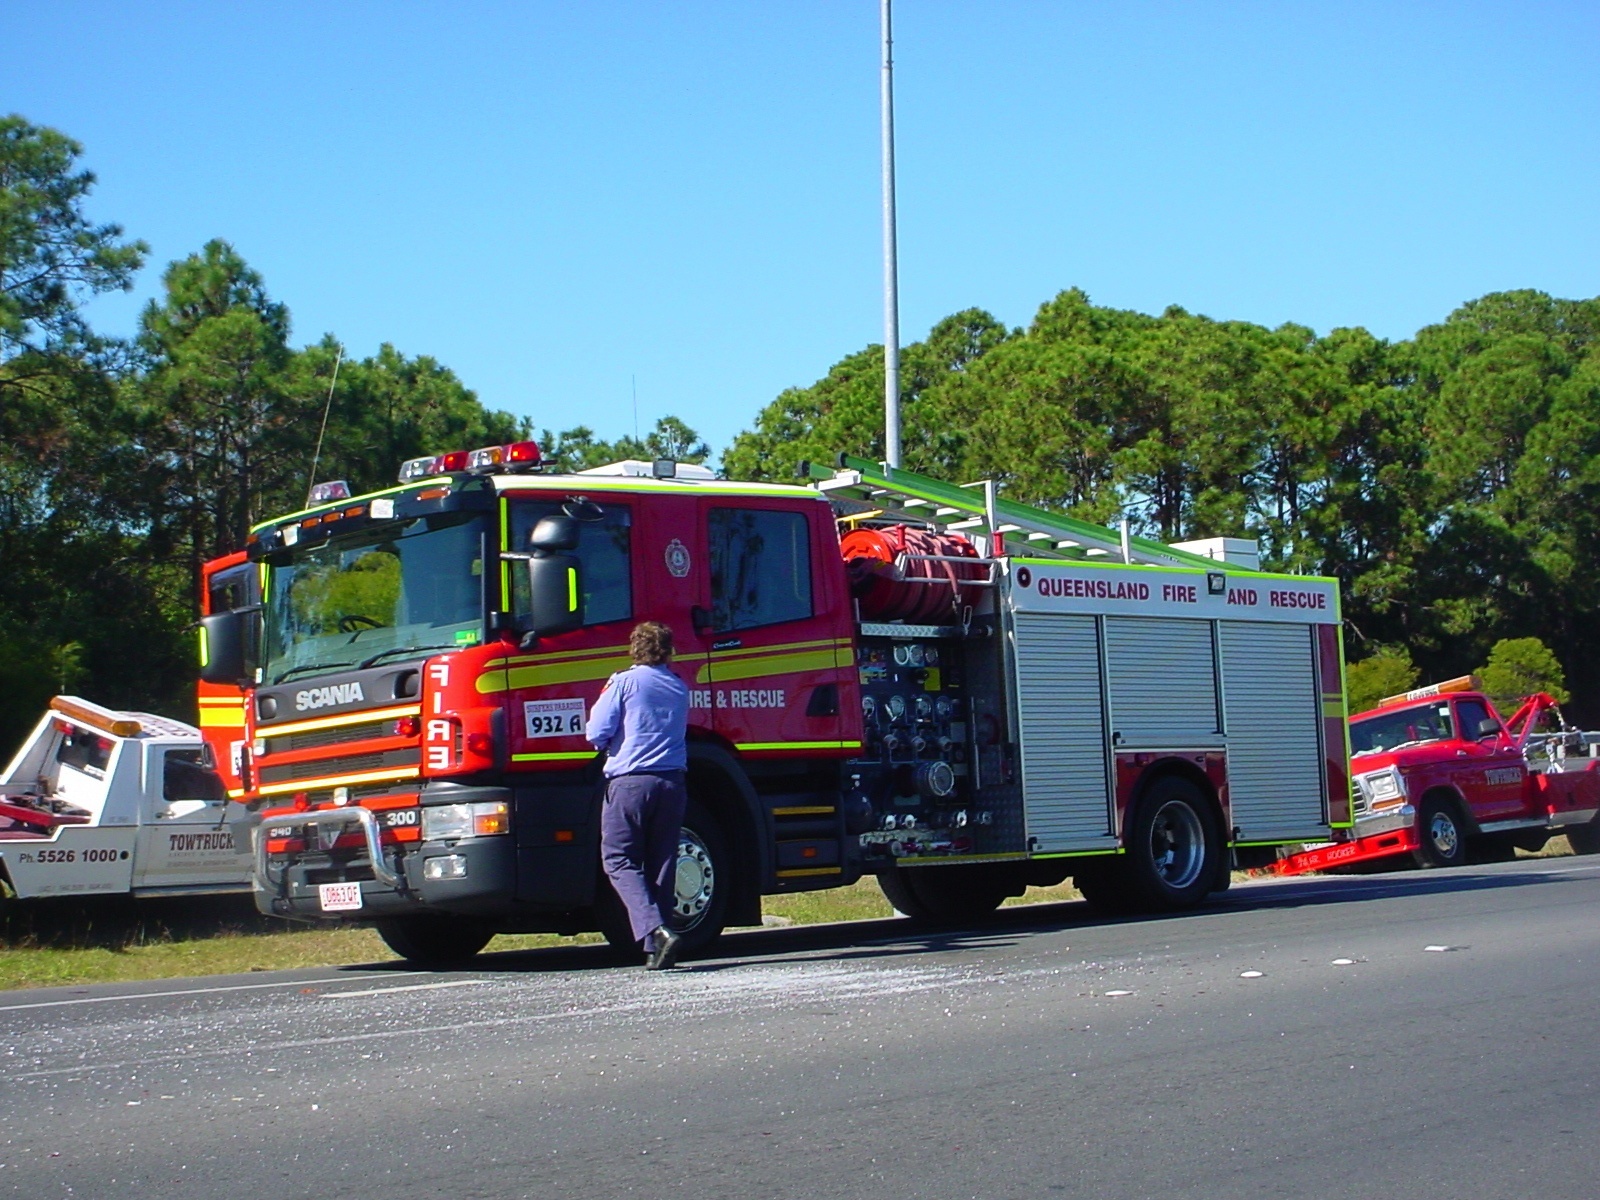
1163,683
1066,790
1275,769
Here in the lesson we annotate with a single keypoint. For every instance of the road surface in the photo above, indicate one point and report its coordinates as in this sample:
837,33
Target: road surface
1430,1034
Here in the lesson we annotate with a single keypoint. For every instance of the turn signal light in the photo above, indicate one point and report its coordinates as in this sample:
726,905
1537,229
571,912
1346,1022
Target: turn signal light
408,727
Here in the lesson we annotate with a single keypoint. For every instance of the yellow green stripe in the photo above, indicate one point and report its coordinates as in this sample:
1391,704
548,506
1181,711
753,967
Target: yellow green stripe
797,745
804,810
554,756
544,674
722,670
801,872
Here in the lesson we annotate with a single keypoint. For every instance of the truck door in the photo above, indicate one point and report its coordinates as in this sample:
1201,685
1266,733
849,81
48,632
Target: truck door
781,666
182,840
227,584
1495,782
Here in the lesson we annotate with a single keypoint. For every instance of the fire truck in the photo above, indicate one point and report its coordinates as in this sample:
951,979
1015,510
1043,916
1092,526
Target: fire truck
888,674
1440,779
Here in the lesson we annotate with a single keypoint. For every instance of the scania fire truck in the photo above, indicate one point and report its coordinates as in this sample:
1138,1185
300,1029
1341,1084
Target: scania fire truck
889,675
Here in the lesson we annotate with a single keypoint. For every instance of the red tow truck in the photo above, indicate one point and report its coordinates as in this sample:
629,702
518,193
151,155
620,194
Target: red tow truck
1439,776
888,674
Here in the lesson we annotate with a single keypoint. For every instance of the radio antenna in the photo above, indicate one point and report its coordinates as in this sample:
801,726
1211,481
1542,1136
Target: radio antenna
311,479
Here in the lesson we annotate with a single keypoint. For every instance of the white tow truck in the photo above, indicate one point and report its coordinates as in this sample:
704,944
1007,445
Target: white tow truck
103,802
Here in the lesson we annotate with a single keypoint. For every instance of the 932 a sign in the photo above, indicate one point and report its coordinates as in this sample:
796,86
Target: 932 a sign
552,718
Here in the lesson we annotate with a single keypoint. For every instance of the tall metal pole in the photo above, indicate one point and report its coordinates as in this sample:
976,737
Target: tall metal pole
891,283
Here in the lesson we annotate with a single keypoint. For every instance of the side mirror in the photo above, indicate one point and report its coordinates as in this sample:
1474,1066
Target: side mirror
1488,727
228,645
554,535
555,602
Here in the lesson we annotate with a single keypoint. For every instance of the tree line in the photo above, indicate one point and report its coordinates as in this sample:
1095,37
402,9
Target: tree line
126,463
1449,481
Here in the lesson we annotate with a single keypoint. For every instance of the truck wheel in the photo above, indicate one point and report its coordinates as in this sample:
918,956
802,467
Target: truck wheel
1442,843
1173,848
949,895
1585,839
434,940
701,885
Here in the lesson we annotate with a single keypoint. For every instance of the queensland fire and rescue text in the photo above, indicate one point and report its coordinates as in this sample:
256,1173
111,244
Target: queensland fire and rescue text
881,682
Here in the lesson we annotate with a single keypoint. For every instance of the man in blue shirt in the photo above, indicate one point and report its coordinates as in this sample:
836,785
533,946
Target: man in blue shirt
639,722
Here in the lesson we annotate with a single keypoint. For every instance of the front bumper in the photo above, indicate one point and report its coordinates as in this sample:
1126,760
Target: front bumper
1387,821
390,885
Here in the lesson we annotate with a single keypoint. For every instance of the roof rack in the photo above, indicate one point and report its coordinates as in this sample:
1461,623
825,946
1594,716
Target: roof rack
975,510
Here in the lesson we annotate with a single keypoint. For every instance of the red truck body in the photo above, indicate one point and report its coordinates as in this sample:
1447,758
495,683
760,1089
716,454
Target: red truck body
888,675
1438,774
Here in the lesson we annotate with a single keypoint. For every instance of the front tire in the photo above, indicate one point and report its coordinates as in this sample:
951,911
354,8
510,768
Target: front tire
1585,839
1442,842
434,939
949,895
701,883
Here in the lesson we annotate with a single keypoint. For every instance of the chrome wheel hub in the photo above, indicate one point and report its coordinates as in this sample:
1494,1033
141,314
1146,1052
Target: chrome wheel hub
695,881
1442,832
1177,844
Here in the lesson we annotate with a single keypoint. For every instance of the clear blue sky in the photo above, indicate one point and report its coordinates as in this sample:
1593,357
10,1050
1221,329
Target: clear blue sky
556,198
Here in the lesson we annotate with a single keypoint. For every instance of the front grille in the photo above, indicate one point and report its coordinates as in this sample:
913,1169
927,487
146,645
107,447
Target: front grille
311,739
353,764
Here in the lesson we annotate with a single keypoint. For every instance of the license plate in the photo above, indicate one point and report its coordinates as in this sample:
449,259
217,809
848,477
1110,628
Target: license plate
339,897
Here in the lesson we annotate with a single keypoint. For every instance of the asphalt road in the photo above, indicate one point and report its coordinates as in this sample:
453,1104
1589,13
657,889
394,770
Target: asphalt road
1417,1035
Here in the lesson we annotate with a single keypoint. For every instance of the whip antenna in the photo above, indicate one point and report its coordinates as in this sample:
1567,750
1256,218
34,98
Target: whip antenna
311,479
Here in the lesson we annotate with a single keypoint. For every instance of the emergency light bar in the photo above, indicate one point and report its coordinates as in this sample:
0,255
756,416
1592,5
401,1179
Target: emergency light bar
104,719
336,489
486,460
1461,683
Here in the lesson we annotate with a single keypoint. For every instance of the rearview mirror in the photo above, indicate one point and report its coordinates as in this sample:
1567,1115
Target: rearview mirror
555,601
554,534
228,646
1488,727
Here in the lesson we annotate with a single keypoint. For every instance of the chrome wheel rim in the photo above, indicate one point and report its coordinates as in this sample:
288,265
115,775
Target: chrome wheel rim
1442,832
695,880
1177,844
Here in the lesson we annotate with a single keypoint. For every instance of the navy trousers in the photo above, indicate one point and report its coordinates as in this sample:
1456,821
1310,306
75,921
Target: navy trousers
639,828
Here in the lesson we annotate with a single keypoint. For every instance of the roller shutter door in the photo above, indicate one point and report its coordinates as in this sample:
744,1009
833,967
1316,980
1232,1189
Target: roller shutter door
1066,794
1163,683
1275,772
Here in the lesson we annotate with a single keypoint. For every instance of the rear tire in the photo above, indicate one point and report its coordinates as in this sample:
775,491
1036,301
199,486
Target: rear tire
434,939
950,895
1442,842
1174,854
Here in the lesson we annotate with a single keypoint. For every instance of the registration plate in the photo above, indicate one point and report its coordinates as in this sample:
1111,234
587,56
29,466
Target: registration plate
339,897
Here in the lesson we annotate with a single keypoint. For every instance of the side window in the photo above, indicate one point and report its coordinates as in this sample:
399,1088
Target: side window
185,776
233,589
604,557
85,751
760,567
1471,713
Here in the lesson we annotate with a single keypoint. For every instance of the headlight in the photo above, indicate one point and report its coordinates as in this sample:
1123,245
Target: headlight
1384,788
447,822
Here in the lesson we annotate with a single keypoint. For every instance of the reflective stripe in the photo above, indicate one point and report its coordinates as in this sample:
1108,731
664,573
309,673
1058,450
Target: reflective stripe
556,756
312,785
222,718
727,670
797,745
802,871
547,673
804,810
372,714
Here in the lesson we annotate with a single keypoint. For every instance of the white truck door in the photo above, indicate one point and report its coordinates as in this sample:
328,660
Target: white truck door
182,839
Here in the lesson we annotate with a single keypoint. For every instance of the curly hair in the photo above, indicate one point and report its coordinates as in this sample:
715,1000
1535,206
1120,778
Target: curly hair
650,643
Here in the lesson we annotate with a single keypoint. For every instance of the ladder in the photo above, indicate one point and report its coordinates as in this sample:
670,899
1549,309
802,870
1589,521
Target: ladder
864,489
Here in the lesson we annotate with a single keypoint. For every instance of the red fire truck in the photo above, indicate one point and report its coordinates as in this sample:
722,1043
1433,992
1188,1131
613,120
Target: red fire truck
889,675
1441,779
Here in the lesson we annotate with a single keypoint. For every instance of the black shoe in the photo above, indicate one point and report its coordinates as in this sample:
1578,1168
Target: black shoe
666,952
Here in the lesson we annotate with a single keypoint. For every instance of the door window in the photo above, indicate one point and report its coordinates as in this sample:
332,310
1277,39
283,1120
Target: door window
760,567
187,775
604,558
1471,714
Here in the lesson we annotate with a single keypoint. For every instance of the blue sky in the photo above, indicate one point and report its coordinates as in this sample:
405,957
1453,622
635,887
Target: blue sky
558,199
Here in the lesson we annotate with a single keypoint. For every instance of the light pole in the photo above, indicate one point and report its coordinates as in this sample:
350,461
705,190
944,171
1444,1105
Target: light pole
891,284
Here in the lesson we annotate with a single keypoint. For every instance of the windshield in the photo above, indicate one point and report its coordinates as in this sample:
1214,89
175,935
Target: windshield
388,592
1409,725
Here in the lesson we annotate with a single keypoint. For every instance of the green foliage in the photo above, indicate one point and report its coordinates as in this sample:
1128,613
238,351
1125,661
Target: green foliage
1389,672
1517,668
578,449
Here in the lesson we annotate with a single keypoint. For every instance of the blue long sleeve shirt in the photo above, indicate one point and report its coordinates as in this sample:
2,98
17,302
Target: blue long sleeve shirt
640,720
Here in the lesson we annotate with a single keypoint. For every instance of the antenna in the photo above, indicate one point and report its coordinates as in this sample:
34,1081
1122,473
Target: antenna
634,380
891,285
311,479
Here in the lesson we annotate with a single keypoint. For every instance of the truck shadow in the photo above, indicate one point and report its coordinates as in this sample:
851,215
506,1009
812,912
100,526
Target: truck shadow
899,937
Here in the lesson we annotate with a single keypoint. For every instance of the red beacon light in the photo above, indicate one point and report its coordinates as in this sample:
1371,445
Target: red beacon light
514,456
325,493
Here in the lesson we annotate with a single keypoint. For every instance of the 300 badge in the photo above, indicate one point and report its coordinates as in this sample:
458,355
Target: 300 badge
400,818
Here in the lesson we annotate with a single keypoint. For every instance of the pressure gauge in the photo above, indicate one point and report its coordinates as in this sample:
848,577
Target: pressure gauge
944,707
924,708
869,707
902,655
897,707
915,655
930,656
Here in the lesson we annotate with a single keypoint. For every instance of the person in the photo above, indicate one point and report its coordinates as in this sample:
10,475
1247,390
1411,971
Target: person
639,723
